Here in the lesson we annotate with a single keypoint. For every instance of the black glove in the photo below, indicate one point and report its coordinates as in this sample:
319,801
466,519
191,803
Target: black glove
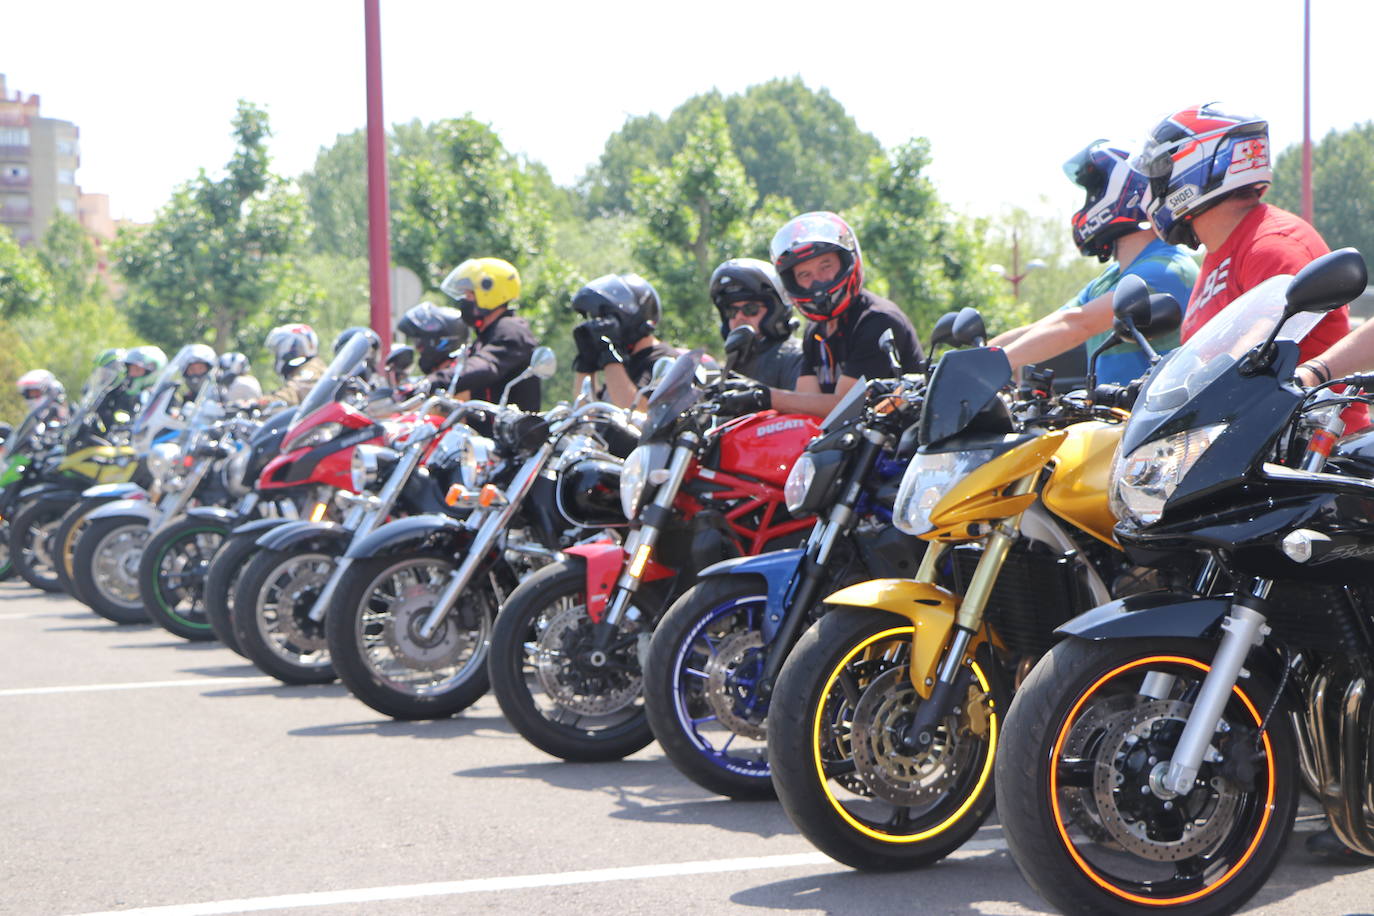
596,344
739,399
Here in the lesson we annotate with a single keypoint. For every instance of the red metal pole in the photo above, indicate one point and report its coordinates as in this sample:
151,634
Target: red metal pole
1307,110
378,208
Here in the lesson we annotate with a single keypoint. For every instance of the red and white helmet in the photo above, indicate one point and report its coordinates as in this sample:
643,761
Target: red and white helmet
810,236
292,344
37,384
1193,159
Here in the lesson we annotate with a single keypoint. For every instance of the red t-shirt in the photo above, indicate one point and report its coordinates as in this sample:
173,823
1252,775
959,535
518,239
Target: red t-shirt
1267,242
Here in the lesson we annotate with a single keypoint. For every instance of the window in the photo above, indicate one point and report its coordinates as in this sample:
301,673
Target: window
14,136
66,176
67,206
66,147
14,171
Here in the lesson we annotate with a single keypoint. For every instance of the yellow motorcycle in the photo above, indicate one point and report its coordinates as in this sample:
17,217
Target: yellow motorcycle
883,726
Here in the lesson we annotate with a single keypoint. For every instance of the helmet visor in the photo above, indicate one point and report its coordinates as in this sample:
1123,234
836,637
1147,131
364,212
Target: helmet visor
807,236
458,287
1082,169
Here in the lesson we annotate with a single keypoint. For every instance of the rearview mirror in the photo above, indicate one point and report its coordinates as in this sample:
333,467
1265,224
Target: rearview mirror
943,332
739,345
543,363
1131,302
1329,282
968,329
660,369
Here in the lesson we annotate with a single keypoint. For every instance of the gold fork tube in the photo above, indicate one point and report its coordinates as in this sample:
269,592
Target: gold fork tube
984,577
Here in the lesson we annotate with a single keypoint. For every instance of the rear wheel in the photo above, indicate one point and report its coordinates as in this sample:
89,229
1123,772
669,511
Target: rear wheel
69,528
171,576
843,704
566,697
1080,806
271,614
6,563
221,579
106,565
31,542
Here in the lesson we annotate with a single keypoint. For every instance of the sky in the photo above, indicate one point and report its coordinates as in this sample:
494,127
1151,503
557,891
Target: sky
1004,90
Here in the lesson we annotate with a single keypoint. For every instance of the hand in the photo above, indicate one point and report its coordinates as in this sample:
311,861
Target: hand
596,343
739,399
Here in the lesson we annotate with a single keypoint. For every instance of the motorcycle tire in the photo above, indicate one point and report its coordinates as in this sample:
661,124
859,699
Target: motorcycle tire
383,662
69,529
226,566
31,543
841,699
171,576
6,561
549,692
704,661
270,614
1091,837
106,561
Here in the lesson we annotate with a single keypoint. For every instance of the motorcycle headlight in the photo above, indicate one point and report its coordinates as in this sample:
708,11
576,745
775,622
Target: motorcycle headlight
798,482
366,464
321,434
1143,481
634,478
161,458
927,479
466,452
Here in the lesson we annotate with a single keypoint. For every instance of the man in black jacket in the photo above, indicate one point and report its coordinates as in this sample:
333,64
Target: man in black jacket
617,339
748,291
485,290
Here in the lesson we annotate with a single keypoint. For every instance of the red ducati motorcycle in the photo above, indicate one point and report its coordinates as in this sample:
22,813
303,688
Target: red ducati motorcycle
568,644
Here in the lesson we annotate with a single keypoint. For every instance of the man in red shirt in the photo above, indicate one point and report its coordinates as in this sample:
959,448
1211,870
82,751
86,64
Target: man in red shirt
1208,171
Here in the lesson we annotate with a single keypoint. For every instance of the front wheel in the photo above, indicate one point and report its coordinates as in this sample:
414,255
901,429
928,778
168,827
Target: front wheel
1090,732
566,694
171,576
221,579
844,702
270,613
106,567
373,633
31,543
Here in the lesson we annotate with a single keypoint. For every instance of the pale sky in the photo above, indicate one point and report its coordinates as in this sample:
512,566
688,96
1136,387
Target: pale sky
1004,90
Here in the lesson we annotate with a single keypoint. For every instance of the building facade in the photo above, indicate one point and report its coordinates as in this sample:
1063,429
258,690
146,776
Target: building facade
38,161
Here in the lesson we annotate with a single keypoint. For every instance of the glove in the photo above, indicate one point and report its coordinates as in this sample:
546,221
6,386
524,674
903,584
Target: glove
596,343
740,399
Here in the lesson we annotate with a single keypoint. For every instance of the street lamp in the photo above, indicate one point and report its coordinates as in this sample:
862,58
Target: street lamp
1017,274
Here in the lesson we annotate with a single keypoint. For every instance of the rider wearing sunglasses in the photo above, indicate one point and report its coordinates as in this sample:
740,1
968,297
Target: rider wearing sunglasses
748,291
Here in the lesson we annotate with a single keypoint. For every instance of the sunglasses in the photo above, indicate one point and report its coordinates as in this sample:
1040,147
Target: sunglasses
32,395
750,309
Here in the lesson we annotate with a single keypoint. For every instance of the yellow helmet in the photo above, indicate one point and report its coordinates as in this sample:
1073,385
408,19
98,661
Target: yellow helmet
491,282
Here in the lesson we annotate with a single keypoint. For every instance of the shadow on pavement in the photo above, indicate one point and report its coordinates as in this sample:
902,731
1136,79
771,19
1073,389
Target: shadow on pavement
282,691
455,727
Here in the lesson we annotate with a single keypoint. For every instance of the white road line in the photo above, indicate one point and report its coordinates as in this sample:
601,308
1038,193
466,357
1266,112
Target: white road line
140,685
511,883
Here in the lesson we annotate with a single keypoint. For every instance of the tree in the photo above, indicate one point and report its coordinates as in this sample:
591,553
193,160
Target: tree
1342,186
220,252
70,261
24,285
1022,236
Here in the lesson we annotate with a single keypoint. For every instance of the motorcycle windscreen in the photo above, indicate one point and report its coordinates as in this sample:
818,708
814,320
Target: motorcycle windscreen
675,394
963,388
345,365
849,407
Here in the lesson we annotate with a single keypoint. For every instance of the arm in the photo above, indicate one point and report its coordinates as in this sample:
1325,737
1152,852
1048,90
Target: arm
620,390
1059,331
1353,353
808,398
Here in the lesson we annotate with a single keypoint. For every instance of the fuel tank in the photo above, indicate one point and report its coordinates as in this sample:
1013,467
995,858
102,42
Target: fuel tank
765,445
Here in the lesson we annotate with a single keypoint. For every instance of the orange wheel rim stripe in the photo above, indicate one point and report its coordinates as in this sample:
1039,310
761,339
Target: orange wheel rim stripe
899,632
1054,789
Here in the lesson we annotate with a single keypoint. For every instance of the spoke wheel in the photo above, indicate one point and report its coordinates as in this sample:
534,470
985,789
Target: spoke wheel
31,542
271,615
171,576
106,563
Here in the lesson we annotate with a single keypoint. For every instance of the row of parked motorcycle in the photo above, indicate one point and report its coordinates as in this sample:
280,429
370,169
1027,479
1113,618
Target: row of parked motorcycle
1141,614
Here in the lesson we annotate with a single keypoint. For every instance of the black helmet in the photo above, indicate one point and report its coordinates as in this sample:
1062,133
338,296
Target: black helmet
373,352
628,298
437,332
400,359
752,280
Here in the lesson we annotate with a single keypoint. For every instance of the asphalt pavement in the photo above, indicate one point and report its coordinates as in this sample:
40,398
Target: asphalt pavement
143,773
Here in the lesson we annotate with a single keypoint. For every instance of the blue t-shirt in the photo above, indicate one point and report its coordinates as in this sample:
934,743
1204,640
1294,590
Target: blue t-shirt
1165,269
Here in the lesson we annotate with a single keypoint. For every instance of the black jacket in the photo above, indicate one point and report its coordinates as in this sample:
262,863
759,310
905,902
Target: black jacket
776,363
501,351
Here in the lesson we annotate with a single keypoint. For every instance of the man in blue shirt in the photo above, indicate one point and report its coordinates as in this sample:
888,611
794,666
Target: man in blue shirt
1112,225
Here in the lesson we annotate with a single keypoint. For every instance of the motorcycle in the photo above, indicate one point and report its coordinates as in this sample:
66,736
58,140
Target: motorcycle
886,716
1153,758
283,594
568,644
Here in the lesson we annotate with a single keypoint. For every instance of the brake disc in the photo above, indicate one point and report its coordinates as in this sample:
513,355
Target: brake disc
574,685
449,643
115,564
297,584
738,649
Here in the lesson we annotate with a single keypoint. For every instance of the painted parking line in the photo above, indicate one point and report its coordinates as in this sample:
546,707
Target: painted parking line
138,685
511,883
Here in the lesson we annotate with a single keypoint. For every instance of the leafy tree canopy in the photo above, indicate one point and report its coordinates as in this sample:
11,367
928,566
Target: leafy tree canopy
1342,186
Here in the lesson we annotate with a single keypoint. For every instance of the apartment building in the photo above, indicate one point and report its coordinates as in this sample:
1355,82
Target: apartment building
38,161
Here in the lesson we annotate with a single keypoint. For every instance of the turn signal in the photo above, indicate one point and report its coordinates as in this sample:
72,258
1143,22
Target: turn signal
455,495
490,494
318,512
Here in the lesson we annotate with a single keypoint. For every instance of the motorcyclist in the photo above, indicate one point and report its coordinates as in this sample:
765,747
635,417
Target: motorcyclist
617,339
1112,226
748,291
295,349
44,395
818,259
486,290
141,367
110,375
236,376
199,368
368,371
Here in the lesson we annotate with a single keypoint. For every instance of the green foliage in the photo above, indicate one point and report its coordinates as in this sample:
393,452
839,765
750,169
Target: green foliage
1342,186
70,261
65,339
24,284
220,253
1020,237
793,143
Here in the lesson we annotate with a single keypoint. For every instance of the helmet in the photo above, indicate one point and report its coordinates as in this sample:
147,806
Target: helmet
400,359
1196,157
37,384
198,354
628,298
373,352
482,285
233,364
149,360
108,356
291,345
811,235
436,330
749,279
1114,206
107,367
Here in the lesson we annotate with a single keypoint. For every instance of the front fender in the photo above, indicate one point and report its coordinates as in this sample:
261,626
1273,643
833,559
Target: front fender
50,493
1154,614
411,533
255,527
929,607
114,491
302,533
777,568
603,561
213,514
126,508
